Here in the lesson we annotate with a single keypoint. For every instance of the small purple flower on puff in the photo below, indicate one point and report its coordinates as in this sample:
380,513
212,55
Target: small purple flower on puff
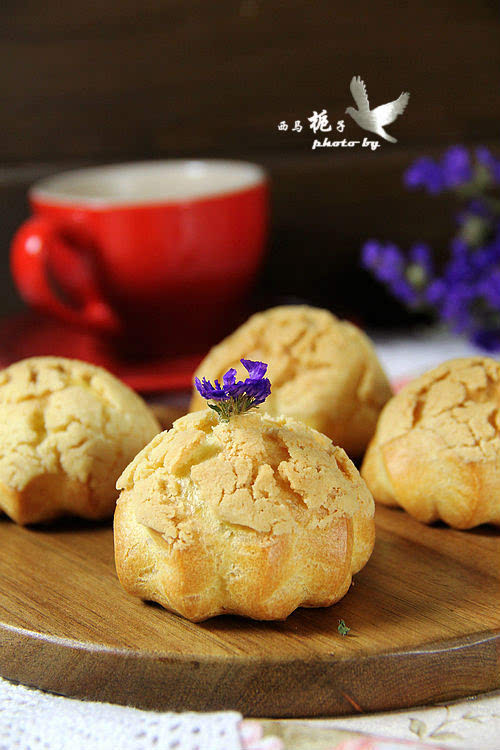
236,397
216,392
256,370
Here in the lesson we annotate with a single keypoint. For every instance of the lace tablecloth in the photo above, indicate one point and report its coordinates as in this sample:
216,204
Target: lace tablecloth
31,720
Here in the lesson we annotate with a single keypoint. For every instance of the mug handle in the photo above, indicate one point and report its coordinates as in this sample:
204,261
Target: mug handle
34,245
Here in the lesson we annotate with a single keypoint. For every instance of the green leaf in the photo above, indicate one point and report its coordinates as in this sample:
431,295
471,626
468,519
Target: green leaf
226,409
343,628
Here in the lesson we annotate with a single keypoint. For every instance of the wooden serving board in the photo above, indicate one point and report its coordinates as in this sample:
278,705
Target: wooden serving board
424,617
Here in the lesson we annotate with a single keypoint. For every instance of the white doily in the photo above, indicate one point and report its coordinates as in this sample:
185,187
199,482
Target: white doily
414,353
32,720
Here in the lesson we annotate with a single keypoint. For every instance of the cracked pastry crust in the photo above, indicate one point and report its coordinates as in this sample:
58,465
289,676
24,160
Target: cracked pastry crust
323,371
255,517
67,430
436,450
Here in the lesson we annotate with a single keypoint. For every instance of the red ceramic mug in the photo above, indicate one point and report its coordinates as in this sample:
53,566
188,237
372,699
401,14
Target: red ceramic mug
157,254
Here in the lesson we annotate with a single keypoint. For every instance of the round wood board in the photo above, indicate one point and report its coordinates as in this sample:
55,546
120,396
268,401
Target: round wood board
424,617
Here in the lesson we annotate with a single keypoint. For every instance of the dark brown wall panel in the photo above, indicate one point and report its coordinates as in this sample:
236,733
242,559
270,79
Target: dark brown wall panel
91,81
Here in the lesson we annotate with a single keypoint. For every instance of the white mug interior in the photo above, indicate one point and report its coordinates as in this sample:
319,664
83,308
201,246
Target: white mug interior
175,181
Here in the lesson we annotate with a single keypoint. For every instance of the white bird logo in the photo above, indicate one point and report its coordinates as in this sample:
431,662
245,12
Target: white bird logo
376,119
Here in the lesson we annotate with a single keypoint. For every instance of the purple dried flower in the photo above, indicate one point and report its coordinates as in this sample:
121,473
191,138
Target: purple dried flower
477,207
486,158
456,167
420,255
489,288
216,392
455,307
425,172
385,261
405,277
256,370
420,270
392,264
370,254
435,292
405,292
236,397
466,296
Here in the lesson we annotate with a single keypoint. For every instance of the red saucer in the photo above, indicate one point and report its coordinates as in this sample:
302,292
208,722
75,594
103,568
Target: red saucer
29,334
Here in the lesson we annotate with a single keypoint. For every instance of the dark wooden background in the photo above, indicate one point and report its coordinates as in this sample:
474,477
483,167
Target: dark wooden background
96,81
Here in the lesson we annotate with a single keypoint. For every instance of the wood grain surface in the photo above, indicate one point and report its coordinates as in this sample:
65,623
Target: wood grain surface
424,619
